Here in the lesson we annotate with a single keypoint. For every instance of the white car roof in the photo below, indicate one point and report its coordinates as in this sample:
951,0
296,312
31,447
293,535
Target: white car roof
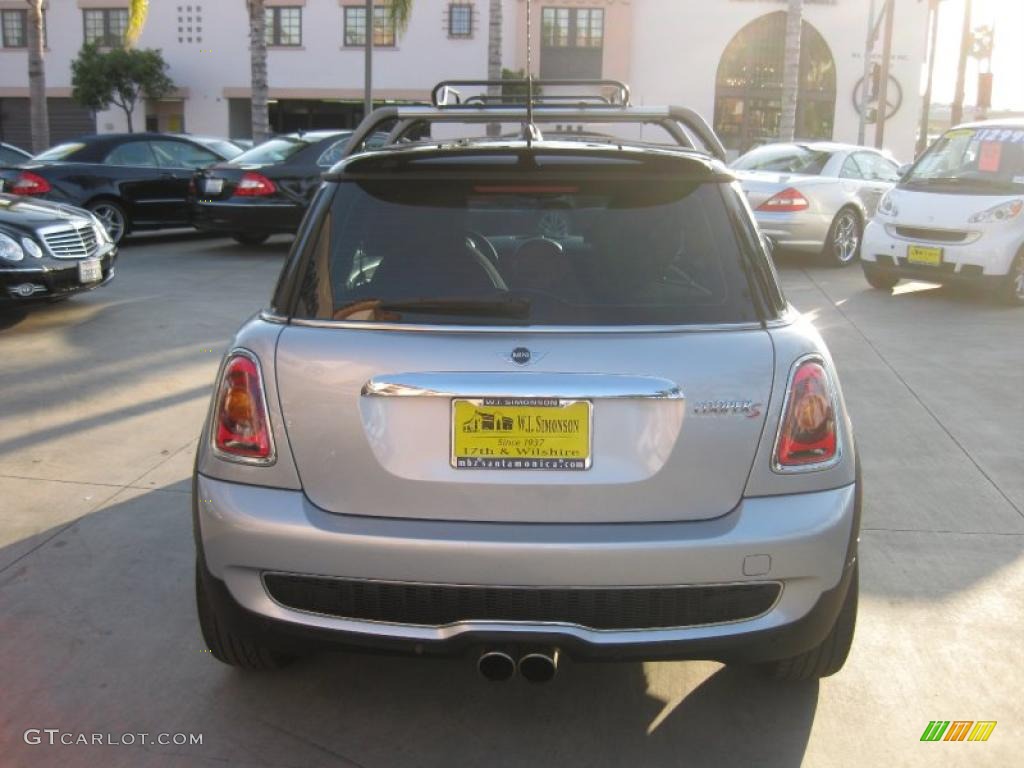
1009,122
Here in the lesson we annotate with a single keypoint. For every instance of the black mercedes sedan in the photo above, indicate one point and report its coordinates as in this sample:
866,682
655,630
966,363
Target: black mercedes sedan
50,251
130,181
267,189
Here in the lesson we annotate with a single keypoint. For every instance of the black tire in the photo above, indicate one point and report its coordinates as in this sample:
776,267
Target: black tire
227,646
249,238
111,214
882,281
1011,288
842,244
828,657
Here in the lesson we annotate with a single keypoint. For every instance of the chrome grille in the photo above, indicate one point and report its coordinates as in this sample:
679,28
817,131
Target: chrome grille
75,241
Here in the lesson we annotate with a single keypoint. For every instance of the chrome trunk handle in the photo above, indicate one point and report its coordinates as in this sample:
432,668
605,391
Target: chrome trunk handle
570,386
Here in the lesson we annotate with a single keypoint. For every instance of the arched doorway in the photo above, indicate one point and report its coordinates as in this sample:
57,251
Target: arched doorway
748,87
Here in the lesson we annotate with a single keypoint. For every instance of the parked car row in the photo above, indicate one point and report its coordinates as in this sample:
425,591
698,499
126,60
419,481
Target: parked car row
148,181
846,202
952,216
131,182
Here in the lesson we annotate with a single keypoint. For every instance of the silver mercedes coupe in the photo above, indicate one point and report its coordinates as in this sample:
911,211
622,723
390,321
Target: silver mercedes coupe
816,197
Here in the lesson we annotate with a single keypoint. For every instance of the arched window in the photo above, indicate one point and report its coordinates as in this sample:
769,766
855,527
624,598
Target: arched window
748,88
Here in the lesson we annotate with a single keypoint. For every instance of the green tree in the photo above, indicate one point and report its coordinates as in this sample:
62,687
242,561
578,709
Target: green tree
119,77
400,11
514,92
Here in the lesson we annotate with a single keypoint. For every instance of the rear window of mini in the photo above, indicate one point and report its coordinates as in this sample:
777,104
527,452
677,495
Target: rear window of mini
562,251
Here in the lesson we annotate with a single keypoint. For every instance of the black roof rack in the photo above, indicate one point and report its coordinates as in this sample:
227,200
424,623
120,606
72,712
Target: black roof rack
684,125
618,92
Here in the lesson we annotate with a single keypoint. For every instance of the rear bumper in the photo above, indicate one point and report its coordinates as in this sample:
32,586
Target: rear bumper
795,231
806,543
249,217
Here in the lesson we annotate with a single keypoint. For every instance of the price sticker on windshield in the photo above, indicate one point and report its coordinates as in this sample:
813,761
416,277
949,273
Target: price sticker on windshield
990,156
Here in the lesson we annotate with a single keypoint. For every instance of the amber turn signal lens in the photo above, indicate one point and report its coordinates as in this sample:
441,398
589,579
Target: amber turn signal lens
808,433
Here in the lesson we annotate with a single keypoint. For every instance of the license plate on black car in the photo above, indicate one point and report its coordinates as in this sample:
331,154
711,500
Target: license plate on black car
89,271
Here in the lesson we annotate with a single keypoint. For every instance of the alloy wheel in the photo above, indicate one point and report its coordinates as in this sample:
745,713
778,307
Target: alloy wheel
111,218
846,237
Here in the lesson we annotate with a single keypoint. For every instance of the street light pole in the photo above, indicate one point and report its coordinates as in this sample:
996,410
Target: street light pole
869,51
883,85
368,86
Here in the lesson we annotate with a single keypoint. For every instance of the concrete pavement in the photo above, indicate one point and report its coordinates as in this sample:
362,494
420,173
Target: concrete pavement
101,401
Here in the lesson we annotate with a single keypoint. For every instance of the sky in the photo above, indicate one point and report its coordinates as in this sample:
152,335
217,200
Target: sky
1007,16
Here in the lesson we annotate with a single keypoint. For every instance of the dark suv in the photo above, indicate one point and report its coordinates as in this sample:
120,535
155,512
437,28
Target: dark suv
530,397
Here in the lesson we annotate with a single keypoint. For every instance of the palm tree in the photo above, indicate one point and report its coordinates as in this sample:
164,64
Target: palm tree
791,70
138,11
258,66
39,117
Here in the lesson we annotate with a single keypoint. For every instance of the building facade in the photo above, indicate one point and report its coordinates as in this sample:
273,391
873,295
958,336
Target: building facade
721,57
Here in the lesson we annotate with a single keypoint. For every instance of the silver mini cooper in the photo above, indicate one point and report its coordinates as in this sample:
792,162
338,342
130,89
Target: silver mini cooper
530,397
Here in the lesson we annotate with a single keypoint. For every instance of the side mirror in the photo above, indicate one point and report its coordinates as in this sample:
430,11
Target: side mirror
904,169
768,243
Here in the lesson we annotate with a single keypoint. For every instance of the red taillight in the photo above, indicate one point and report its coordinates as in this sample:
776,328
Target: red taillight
807,436
241,424
29,183
255,185
788,200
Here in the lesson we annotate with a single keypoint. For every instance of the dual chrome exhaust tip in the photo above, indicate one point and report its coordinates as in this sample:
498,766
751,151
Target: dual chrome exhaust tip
537,665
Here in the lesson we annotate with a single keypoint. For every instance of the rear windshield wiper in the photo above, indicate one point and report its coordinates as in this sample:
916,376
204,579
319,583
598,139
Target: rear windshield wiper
516,308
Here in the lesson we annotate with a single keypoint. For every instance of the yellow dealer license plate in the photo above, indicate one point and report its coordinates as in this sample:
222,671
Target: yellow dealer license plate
920,254
521,433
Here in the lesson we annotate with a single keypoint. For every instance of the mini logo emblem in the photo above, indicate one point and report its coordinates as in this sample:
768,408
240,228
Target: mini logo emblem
520,356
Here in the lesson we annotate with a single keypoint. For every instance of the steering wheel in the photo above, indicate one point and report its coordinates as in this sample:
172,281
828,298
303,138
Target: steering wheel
483,245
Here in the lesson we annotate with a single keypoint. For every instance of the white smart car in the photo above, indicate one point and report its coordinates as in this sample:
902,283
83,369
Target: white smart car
956,214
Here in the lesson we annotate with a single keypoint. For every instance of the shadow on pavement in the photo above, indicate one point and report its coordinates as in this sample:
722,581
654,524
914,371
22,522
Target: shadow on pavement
908,290
98,633
11,315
